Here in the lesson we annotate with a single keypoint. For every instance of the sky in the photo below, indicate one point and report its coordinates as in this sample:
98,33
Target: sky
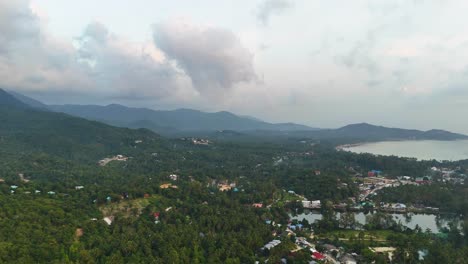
323,63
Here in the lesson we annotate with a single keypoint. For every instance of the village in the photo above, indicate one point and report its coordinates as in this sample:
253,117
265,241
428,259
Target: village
300,233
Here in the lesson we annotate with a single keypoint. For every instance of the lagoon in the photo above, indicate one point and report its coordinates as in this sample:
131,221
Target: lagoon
435,223
419,149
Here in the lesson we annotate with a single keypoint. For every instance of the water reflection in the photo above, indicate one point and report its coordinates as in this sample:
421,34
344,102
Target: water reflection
432,222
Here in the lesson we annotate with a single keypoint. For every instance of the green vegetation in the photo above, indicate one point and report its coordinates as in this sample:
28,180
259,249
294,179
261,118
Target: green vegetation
46,217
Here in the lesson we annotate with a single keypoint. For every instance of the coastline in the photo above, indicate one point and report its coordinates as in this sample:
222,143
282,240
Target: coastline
442,150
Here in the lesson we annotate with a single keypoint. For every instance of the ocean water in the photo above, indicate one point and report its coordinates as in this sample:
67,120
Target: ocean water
420,149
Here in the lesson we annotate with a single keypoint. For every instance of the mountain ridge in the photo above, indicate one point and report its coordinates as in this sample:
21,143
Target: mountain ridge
194,122
376,132
179,119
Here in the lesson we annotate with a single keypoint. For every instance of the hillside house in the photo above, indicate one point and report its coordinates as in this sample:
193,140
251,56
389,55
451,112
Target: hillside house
224,187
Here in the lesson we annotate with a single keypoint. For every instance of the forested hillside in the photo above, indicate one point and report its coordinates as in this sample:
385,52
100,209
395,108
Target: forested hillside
185,200
26,130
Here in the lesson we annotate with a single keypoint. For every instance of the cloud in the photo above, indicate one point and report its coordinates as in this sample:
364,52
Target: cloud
189,62
268,8
125,69
29,57
213,58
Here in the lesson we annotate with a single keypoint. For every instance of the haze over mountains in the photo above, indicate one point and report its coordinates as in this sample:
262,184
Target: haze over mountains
177,120
194,122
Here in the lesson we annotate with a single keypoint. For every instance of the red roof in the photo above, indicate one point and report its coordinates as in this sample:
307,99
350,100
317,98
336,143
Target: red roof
156,215
318,256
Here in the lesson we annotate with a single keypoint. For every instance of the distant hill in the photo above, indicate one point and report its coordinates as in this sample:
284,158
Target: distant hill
188,122
24,130
365,131
175,121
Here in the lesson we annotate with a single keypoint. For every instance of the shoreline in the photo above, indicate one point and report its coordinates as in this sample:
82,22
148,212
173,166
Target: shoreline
350,148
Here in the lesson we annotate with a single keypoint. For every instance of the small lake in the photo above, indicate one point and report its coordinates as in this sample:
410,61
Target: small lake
426,221
420,149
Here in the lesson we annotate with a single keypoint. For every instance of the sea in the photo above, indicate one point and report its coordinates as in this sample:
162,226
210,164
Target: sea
419,149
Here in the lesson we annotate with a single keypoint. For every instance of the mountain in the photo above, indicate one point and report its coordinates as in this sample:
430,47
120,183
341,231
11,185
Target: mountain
172,121
28,100
25,129
188,122
369,132
169,123
9,100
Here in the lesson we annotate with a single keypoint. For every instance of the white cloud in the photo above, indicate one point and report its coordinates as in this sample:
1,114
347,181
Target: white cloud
213,58
124,69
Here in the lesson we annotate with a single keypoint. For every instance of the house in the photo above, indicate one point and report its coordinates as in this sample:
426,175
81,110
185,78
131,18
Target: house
224,187
121,157
168,185
330,247
423,180
316,204
399,206
79,232
51,193
108,219
173,177
79,187
165,185
14,187
37,191
384,250
271,244
257,205
302,241
317,172
291,192
156,215
318,256
197,141
348,259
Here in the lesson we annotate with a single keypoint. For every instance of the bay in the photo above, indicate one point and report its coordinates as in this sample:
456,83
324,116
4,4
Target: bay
419,149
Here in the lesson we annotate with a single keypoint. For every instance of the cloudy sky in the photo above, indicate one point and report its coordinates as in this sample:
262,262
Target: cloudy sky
325,63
